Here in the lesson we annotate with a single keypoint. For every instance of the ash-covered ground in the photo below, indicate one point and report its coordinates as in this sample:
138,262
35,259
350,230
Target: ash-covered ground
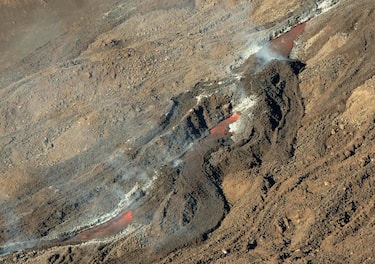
187,131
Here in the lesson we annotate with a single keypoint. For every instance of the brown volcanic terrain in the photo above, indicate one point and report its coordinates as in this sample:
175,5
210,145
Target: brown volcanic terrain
114,139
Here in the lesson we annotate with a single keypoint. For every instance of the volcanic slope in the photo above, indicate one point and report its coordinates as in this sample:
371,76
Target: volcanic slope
293,183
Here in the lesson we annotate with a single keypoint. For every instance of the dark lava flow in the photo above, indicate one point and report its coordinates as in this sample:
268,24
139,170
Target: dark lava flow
120,222
189,132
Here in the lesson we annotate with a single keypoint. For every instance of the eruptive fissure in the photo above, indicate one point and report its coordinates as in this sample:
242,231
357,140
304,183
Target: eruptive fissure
187,131
192,133
120,222
202,130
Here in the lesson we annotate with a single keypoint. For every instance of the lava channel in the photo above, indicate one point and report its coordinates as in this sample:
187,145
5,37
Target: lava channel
221,129
106,229
284,44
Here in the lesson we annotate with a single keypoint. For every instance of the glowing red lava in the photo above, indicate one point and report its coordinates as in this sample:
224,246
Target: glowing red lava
284,44
221,129
111,227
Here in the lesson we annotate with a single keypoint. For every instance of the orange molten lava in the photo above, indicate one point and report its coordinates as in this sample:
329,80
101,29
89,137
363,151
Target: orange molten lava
221,128
111,227
285,43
